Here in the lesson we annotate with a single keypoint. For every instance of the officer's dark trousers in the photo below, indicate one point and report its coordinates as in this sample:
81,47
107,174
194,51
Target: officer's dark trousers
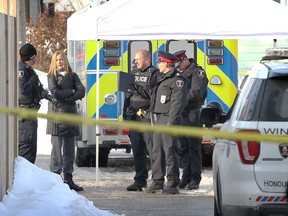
58,162
165,153
28,139
141,146
190,151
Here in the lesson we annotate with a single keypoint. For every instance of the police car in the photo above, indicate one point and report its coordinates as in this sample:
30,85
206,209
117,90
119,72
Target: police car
251,177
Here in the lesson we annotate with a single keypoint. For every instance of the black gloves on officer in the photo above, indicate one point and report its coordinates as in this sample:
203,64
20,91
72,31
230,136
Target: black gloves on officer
130,114
45,94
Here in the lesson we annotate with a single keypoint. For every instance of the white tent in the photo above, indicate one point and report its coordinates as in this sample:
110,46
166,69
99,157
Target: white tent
181,19
82,25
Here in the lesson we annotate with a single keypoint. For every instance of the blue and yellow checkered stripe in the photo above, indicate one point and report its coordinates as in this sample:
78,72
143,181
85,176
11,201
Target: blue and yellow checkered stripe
108,81
228,73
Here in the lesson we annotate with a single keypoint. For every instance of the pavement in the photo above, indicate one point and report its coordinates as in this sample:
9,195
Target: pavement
110,193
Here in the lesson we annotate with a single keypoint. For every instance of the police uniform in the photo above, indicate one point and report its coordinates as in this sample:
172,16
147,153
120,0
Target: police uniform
167,103
30,93
136,107
190,147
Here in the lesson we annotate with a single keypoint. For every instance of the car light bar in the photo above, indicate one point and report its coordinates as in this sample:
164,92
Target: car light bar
277,51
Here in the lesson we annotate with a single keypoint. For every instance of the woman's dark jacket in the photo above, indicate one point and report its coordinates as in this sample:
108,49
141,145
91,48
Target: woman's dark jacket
66,90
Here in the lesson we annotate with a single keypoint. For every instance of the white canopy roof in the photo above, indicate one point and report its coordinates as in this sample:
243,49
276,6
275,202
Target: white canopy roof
82,25
181,19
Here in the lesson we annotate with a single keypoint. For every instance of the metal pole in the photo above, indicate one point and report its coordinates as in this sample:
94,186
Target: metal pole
97,111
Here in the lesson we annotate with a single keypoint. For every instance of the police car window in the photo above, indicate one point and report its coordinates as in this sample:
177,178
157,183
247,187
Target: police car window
275,101
249,102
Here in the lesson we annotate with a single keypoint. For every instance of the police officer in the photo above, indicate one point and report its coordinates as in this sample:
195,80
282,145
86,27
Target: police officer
190,147
30,93
136,107
167,103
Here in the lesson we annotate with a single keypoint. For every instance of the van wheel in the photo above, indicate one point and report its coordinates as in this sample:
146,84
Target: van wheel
206,158
85,157
103,157
82,158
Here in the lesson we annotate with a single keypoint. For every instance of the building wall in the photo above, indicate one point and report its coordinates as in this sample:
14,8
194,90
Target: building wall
35,9
8,97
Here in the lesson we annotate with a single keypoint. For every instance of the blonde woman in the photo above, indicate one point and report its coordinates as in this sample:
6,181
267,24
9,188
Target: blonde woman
66,88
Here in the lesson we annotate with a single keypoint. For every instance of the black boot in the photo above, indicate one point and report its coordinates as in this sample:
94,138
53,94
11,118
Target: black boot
137,186
170,190
183,183
68,180
155,187
193,185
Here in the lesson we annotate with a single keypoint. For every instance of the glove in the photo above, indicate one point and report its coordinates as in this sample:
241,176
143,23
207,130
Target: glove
70,100
49,97
45,94
130,114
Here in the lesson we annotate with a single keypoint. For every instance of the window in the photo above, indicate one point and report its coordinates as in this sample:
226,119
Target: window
133,47
275,101
250,100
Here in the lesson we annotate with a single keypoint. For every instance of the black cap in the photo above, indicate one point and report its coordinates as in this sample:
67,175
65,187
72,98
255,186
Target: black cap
166,57
27,52
180,54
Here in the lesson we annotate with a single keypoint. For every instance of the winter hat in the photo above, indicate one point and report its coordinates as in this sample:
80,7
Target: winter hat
27,52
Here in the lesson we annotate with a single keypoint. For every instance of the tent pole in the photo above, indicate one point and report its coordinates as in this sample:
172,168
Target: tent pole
97,113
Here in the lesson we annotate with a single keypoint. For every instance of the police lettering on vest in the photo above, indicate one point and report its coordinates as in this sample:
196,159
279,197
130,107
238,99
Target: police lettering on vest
140,79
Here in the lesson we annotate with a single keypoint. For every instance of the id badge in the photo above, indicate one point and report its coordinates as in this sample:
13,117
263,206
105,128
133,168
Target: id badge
163,99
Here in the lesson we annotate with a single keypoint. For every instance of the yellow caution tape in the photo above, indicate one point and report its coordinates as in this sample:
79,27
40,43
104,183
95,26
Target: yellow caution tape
143,127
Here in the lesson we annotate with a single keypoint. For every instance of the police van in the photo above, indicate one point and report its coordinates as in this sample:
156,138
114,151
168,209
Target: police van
104,101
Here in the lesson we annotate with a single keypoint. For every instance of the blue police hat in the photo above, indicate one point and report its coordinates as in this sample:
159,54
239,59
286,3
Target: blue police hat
180,54
166,57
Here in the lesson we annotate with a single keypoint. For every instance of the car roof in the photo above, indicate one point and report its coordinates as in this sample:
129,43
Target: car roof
264,70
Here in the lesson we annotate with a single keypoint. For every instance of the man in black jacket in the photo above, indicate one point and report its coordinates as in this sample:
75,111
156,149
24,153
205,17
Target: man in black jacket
135,108
30,93
190,147
167,102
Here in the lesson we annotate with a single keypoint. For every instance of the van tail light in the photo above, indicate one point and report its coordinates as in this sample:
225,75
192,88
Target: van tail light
248,150
110,131
125,131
